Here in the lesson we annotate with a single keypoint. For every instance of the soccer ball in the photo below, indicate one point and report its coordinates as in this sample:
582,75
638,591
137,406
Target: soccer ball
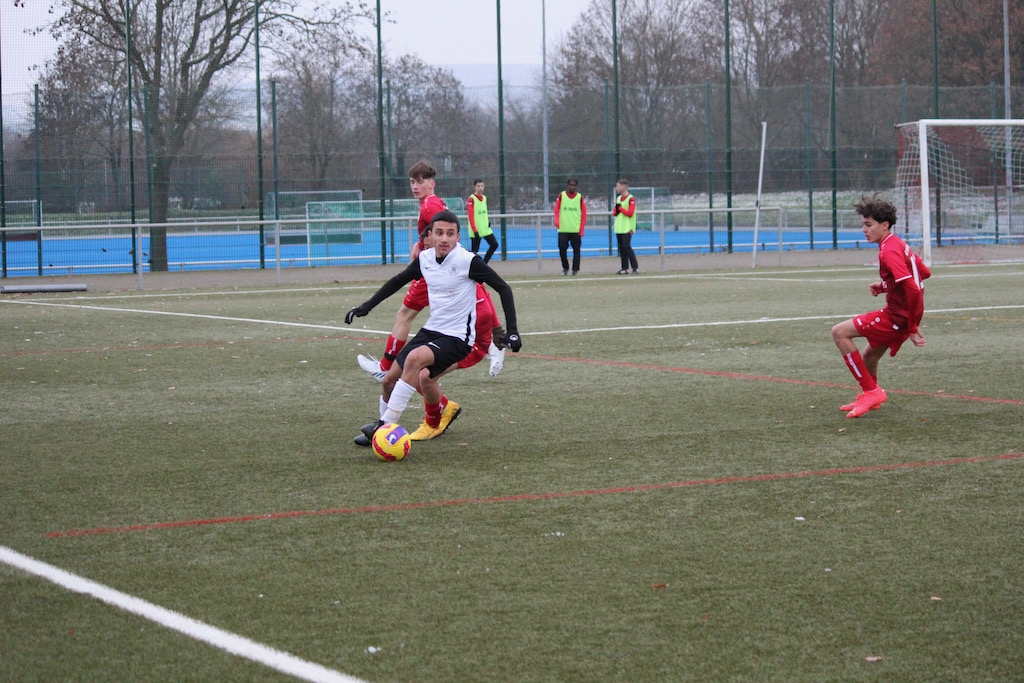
391,442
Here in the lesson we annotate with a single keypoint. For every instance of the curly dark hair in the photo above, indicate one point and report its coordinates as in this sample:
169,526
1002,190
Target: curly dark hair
422,170
875,207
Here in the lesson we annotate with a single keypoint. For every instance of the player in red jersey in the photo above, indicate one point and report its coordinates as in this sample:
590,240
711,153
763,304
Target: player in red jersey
422,179
902,272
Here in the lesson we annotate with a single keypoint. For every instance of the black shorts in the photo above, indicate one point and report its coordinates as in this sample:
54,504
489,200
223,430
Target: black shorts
447,350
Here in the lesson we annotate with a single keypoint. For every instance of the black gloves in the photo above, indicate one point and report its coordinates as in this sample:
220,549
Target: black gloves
505,340
357,312
498,336
615,211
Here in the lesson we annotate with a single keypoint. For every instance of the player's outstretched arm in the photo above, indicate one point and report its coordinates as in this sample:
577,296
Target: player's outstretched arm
481,272
411,272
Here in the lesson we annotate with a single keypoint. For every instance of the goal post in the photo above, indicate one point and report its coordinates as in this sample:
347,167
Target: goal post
955,183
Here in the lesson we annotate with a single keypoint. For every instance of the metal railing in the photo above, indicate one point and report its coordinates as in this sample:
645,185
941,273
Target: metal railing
302,242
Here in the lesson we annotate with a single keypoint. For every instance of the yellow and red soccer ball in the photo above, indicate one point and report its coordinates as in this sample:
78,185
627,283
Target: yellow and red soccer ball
391,442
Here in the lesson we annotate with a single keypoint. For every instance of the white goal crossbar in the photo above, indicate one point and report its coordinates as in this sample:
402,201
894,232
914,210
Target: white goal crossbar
922,137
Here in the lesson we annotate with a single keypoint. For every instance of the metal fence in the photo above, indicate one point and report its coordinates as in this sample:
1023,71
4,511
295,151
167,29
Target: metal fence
245,243
76,175
219,204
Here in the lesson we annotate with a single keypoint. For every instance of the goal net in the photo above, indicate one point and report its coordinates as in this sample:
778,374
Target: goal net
956,189
22,213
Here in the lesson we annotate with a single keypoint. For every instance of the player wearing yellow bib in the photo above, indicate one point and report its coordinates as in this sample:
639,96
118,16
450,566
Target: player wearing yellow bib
479,224
571,221
625,225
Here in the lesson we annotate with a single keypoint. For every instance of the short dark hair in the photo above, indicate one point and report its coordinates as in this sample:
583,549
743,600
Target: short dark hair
422,170
877,208
445,216
622,181
572,180
478,180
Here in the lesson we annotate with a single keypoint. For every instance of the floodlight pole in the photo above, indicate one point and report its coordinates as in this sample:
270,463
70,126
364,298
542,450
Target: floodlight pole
501,143
277,186
39,182
935,59
935,98
544,101
615,75
3,178
1006,113
832,119
380,143
728,131
259,136
3,182
137,261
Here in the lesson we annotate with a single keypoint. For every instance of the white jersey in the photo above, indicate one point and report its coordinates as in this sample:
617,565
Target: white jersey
451,292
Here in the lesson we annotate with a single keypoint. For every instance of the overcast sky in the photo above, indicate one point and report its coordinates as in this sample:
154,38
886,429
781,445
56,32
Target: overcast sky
442,32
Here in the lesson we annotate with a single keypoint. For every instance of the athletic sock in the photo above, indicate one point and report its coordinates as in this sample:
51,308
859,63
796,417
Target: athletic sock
400,396
382,406
391,350
434,411
859,370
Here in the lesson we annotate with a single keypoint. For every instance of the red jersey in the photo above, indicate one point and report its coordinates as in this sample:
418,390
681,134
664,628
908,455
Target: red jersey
902,272
429,207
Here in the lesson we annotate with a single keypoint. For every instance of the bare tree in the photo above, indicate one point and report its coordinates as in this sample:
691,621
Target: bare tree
429,115
970,42
767,41
82,126
859,37
177,51
312,109
663,47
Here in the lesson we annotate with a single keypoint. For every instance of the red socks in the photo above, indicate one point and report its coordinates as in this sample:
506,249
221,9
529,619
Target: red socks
860,371
434,411
391,350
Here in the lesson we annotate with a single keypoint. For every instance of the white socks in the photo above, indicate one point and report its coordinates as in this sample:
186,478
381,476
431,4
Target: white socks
400,397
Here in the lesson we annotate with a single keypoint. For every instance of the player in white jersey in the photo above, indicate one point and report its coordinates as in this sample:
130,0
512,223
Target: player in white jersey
451,273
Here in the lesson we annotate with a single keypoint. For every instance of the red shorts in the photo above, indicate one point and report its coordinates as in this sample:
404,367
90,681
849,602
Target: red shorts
486,321
475,356
881,329
417,297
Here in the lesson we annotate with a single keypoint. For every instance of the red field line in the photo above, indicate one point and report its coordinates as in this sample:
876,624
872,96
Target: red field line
522,497
561,359
769,378
190,345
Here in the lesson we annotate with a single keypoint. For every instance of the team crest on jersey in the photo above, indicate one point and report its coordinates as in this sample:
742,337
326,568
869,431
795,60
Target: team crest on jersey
452,270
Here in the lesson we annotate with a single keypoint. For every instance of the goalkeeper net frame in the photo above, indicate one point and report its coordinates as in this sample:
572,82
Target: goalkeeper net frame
955,184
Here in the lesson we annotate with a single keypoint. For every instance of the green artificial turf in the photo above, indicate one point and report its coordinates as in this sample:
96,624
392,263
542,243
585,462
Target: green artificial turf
658,488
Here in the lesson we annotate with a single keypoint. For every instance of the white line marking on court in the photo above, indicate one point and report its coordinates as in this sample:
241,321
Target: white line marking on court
758,275
229,642
722,275
719,323
205,316
623,328
185,295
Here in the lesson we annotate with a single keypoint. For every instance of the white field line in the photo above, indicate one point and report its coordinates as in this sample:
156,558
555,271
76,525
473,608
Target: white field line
800,276
622,328
224,640
755,321
179,314
373,287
